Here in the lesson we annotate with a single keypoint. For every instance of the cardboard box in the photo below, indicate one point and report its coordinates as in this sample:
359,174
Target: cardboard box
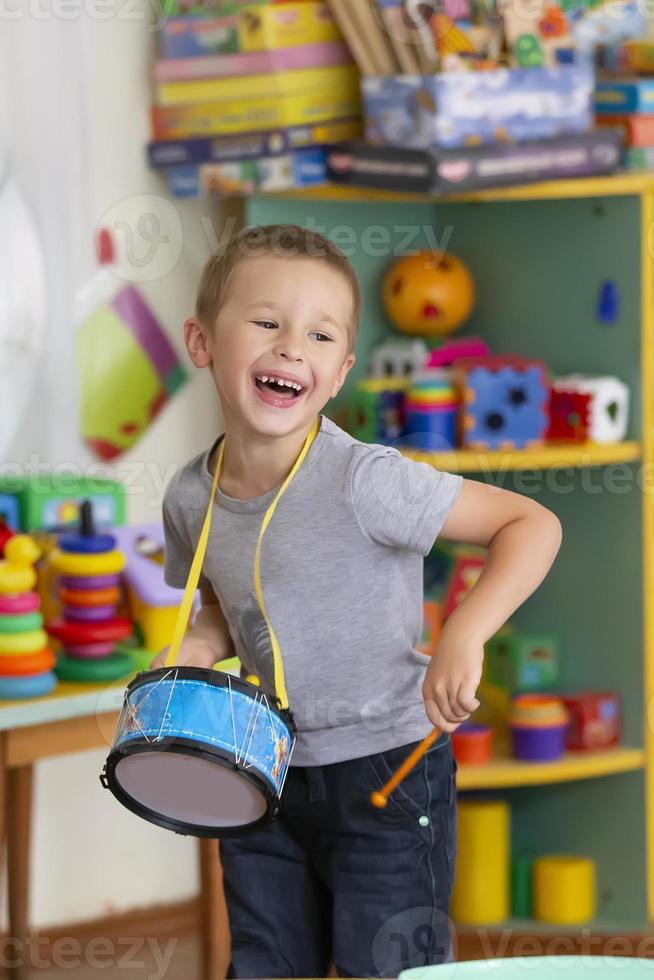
279,84
636,130
455,109
197,37
250,146
457,171
301,168
254,63
285,25
253,115
627,95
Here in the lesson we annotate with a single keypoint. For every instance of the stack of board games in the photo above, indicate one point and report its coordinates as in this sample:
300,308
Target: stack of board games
247,94
624,99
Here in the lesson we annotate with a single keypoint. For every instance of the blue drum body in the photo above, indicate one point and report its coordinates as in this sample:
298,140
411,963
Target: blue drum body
199,752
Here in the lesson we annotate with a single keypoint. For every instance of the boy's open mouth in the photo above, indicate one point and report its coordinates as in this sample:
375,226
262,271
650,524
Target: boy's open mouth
286,390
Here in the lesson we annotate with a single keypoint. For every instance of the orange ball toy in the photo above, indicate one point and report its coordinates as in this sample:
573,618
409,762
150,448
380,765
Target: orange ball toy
428,295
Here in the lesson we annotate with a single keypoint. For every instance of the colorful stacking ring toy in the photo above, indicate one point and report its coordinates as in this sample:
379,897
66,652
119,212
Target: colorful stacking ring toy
27,663
29,686
92,544
68,563
111,630
89,614
21,622
91,597
89,582
14,644
24,602
94,671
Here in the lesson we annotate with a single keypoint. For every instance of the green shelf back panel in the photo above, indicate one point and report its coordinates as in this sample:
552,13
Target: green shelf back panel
538,269
603,818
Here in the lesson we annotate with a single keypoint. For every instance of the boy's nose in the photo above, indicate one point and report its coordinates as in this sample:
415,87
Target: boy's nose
288,350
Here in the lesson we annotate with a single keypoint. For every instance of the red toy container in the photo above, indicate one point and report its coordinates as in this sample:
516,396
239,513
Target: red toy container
473,744
595,720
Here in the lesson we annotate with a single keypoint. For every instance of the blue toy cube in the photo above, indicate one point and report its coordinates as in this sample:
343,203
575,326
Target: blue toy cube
504,402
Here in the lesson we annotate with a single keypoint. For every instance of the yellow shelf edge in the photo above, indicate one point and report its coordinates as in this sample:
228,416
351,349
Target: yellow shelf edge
505,773
611,185
543,458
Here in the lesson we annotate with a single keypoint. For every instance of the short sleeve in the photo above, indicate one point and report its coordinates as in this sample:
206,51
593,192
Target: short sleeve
178,549
399,502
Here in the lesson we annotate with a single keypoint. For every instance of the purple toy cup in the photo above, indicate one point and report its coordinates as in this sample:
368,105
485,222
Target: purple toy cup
90,651
89,614
538,744
87,582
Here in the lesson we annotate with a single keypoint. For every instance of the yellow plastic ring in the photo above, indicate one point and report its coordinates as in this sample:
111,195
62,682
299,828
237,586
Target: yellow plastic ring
17,643
72,563
431,397
14,579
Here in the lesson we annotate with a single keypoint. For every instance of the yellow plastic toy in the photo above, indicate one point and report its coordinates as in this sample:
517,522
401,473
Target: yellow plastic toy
16,644
427,295
72,563
481,888
564,889
16,571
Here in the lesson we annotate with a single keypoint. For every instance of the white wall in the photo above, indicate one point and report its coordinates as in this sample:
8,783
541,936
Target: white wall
74,97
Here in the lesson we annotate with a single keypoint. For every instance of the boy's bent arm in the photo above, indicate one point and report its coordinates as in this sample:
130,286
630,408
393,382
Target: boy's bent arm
523,539
208,641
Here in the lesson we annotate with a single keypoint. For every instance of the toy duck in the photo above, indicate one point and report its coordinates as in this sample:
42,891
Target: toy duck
16,571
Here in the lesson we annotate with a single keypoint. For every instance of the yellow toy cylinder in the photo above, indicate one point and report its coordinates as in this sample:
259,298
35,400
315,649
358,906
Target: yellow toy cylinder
564,889
481,888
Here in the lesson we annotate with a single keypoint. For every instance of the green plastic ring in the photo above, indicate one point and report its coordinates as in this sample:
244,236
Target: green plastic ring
93,671
21,622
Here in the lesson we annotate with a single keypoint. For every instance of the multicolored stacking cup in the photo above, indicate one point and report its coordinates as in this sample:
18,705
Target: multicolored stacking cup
431,409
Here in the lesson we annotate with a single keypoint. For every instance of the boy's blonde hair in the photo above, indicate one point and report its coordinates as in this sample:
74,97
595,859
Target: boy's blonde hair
283,241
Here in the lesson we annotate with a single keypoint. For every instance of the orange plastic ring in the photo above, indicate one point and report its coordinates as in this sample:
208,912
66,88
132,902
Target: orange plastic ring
90,597
27,663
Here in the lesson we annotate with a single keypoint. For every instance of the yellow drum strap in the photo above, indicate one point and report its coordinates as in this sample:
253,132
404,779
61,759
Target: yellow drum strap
198,559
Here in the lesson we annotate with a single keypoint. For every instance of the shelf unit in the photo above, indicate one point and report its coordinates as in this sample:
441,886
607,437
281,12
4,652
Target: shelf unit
539,254
542,458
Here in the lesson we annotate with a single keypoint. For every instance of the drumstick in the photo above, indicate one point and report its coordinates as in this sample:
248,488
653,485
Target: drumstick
380,798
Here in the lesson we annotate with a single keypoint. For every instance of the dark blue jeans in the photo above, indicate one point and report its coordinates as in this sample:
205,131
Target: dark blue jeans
334,880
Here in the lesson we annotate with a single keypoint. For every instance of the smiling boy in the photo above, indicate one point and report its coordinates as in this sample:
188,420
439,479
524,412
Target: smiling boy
332,880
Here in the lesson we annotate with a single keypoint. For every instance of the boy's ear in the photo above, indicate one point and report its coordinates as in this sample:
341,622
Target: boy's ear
342,374
197,342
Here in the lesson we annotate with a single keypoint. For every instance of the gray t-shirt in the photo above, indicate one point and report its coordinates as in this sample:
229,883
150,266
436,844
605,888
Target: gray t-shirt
342,578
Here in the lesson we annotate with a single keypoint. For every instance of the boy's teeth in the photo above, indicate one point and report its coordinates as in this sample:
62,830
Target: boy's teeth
280,381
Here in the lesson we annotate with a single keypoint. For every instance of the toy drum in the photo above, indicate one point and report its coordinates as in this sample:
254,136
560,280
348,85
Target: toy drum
199,752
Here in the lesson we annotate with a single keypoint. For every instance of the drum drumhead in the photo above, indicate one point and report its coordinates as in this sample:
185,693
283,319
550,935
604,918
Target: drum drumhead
189,790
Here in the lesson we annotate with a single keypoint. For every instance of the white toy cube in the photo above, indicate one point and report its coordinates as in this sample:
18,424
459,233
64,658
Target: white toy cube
609,408
399,358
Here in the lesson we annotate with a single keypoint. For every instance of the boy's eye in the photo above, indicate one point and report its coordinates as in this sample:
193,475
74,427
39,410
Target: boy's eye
266,324
319,335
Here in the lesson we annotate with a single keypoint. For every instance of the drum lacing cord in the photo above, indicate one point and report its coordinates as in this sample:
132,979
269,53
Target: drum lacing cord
190,588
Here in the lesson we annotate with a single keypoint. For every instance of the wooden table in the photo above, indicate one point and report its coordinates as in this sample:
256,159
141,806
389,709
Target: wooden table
73,718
